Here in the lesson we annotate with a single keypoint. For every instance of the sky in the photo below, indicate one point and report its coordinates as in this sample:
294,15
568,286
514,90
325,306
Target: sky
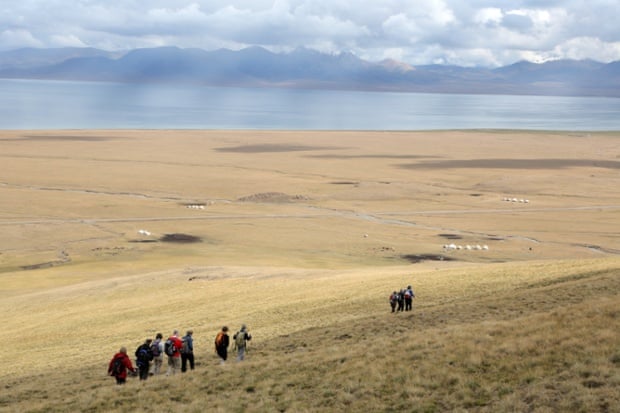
472,33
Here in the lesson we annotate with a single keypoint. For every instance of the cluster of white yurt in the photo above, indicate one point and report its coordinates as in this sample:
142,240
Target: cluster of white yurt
451,247
521,200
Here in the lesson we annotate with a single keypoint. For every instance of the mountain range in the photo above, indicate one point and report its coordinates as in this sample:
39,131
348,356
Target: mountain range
307,68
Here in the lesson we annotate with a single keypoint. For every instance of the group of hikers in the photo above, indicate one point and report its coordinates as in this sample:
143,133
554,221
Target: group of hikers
402,300
178,350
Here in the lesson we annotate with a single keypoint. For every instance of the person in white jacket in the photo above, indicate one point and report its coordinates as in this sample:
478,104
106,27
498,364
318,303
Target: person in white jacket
158,353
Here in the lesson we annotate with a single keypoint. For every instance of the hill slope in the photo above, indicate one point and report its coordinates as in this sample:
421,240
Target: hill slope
527,337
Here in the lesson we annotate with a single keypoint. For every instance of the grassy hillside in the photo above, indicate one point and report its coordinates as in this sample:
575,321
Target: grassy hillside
109,237
504,337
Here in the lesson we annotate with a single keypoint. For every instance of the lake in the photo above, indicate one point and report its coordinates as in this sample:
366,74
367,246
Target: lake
37,104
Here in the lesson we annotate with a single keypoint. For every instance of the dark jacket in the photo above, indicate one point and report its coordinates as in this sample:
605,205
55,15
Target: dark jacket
222,341
189,343
144,357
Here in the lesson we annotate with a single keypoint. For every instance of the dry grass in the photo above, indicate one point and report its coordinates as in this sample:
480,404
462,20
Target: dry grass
526,337
302,237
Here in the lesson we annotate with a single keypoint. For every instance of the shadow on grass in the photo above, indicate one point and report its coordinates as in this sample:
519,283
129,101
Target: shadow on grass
182,238
417,258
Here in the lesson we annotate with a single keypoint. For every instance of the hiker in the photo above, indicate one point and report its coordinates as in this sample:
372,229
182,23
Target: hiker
144,355
393,300
187,351
221,344
172,348
157,348
409,295
119,365
401,300
241,339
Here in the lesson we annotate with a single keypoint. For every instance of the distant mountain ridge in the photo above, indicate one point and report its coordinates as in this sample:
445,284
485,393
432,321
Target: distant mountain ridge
307,68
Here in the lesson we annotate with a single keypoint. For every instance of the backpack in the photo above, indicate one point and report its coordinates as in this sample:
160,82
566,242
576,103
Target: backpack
169,347
219,339
142,353
184,347
240,339
155,349
117,366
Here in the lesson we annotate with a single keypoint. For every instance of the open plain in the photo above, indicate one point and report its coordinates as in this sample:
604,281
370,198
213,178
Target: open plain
510,240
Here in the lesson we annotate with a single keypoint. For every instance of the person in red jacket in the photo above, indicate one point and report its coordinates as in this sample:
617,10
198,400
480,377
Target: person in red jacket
119,365
174,361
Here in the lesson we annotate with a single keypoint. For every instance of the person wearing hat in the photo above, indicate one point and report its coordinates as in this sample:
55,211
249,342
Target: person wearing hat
241,338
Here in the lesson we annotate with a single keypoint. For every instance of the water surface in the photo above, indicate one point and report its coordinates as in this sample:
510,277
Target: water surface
32,104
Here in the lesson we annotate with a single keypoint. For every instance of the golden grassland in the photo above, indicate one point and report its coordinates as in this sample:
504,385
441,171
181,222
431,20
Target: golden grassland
302,236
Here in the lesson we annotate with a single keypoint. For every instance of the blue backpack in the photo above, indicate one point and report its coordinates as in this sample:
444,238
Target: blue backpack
142,354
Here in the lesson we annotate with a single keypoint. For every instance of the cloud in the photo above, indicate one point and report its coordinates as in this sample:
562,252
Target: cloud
489,16
517,21
473,32
586,48
67,41
17,38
